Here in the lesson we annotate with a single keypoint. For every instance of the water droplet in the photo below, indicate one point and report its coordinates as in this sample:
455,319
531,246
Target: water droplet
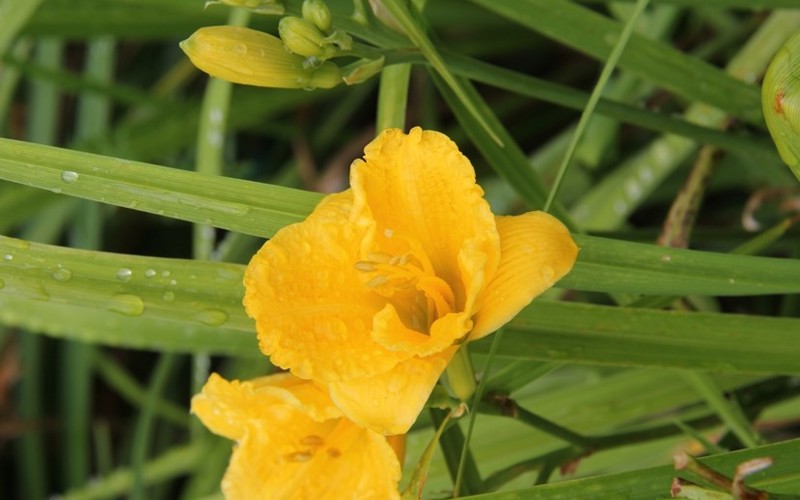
168,296
149,273
55,190
129,305
172,282
732,281
312,440
388,232
165,273
124,274
212,317
69,176
298,456
547,273
62,274
37,292
240,48
8,257
666,258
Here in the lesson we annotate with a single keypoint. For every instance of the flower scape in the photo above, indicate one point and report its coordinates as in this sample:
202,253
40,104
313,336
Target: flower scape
365,303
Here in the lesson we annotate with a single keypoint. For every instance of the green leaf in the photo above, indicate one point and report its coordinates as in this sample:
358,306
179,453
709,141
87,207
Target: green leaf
646,484
586,333
594,34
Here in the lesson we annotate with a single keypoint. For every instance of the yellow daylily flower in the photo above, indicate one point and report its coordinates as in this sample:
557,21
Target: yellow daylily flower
374,292
293,443
251,57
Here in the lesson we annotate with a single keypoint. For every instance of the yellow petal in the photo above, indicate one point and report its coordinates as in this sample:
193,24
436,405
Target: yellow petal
536,251
390,332
420,186
313,313
284,452
390,403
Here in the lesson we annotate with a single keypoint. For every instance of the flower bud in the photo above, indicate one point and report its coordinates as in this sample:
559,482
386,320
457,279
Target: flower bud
316,12
304,39
250,57
257,6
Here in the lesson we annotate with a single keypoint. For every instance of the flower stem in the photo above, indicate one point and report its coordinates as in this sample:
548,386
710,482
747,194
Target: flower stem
461,376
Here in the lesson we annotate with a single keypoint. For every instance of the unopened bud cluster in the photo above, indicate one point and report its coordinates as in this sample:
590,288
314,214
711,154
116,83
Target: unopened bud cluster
298,59
311,35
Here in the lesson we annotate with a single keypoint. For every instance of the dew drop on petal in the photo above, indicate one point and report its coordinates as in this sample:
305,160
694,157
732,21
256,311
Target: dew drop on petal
69,176
299,456
124,274
212,317
547,273
127,304
312,440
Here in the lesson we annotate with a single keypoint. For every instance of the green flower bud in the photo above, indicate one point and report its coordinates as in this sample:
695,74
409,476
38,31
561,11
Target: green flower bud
316,12
250,57
780,98
304,39
257,6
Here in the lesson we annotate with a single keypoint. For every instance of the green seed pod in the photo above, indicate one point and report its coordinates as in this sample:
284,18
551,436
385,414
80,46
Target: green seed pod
250,57
780,100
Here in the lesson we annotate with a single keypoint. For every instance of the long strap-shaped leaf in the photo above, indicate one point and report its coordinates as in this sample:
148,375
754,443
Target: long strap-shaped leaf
192,306
594,34
261,209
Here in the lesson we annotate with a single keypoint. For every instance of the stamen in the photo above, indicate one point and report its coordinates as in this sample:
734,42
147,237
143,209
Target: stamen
377,281
400,260
379,257
365,265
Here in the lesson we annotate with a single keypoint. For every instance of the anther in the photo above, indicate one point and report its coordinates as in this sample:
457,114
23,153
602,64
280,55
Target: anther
377,281
365,265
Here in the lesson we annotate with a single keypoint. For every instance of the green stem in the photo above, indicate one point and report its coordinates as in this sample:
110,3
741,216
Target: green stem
393,97
609,66
461,375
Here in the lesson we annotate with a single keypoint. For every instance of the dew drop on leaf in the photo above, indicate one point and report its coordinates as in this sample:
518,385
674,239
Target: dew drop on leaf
212,317
69,176
62,274
127,304
124,274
